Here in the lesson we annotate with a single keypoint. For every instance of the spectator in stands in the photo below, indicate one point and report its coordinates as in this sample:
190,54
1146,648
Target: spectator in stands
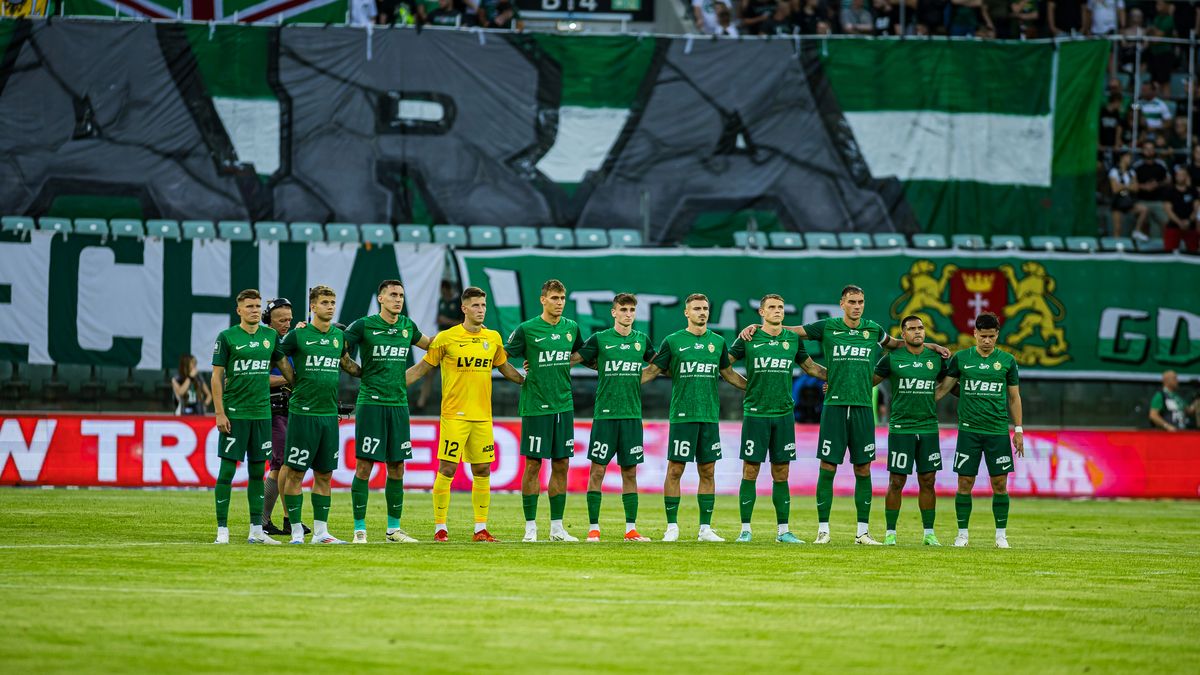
824,28
1153,183
499,14
1153,111
808,17
1131,33
1181,214
931,17
362,12
1104,17
1169,410
1111,123
1064,16
1176,140
964,17
1160,56
1193,166
1123,183
887,17
754,13
857,20
445,14
780,21
997,16
1027,17
449,315
705,15
725,20
192,396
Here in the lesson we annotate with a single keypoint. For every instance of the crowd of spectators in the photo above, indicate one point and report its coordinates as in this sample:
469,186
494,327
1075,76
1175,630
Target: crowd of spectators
454,13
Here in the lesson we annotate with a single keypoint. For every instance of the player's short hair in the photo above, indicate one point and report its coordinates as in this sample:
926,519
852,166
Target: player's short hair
553,285
388,282
320,291
987,321
851,289
770,296
910,317
695,296
472,292
248,294
621,299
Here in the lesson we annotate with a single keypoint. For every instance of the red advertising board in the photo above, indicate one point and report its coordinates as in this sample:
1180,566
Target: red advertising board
162,451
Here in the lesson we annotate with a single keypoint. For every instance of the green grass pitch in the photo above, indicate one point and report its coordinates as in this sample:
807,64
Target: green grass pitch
128,581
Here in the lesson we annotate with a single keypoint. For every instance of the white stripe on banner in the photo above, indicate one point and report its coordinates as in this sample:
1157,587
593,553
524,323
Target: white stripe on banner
268,270
253,127
585,135
25,318
421,271
210,276
940,146
330,265
137,286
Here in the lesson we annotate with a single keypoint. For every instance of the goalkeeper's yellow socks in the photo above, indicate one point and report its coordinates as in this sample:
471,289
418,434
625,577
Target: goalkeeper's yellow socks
441,500
481,500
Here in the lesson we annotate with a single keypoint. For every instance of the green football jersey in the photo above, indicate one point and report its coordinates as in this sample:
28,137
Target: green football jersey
317,358
850,355
247,358
548,349
983,389
695,363
913,378
618,360
769,361
385,348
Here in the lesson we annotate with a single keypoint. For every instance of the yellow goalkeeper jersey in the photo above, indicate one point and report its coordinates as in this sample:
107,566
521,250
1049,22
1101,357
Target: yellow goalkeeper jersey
466,360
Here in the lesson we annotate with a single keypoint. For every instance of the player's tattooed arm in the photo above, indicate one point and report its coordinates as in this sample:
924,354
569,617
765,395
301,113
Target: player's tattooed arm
1014,410
218,394
416,372
815,369
945,386
650,372
285,368
351,366
733,377
511,374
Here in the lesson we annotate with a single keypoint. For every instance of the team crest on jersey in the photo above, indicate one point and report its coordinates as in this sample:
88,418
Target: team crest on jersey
929,365
866,335
711,348
637,346
485,344
568,337
404,332
267,344
335,342
216,346
996,366
786,345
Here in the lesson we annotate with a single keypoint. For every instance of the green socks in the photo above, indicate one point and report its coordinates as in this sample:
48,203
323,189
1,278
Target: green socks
781,497
593,502
927,518
224,490
294,505
320,508
529,506
558,506
630,501
747,493
891,516
255,491
672,506
824,495
962,509
359,493
862,498
393,496
1000,510
707,502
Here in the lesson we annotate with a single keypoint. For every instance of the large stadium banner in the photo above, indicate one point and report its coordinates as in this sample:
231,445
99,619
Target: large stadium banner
1063,316
160,451
245,11
142,304
697,138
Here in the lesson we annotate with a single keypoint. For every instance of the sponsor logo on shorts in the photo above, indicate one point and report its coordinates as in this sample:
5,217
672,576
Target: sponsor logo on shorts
869,448
570,442
489,448
636,450
716,446
790,447
406,445
1003,460
266,446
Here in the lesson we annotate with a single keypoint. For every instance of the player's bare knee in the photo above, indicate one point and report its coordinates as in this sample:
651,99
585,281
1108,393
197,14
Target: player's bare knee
706,470
779,472
448,469
395,470
362,470
750,470
1000,484
481,470
629,479
826,466
897,481
965,483
926,480
560,466
862,469
675,470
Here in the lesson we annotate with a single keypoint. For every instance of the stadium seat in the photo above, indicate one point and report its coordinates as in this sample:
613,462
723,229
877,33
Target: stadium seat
973,242
97,227
378,234
854,240
450,235
928,241
49,224
820,240
889,240
1007,242
1151,246
126,227
622,238
1046,243
747,239
785,240
162,229
557,237
485,236
590,237
235,230
271,230
413,234
20,224
305,231
520,237
1082,244
1119,244
342,233
200,230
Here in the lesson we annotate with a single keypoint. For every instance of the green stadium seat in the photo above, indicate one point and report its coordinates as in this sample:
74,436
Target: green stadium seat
235,230
96,227
126,227
748,239
163,229
928,241
1046,243
889,240
591,237
50,224
557,237
854,240
342,233
38,376
1151,246
198,230
785,240
520,237
1082,244
379,234
271,230
624,238
818,240
19,224
415,234
485,236
450,235
1119,244
1007,242
972,242
306,231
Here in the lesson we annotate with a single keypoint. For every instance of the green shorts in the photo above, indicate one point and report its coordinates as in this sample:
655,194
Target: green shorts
971,447
548,436
246,437
381,433
312,441
616,438
775,436
906,451
698,442
847,426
